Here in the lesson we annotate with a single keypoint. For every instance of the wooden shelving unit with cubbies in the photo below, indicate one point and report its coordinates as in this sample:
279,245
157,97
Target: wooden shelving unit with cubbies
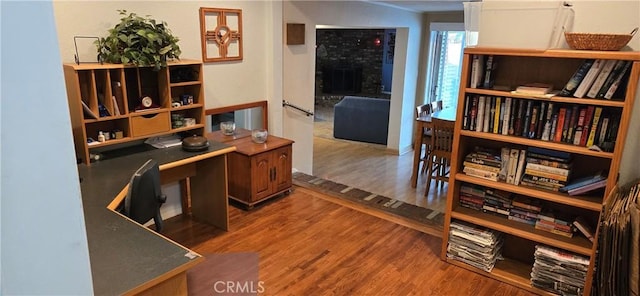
108,98
518,67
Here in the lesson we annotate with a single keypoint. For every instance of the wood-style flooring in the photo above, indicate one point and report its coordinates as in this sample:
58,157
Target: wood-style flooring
308,245
369,167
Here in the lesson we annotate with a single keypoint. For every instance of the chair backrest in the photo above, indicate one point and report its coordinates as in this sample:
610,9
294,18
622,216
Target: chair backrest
442,137
436,105
423,110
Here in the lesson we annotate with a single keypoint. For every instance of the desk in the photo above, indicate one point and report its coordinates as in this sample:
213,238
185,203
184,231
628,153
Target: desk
422,123
127,258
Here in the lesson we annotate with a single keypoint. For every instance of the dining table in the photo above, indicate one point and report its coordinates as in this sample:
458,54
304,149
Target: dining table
422,123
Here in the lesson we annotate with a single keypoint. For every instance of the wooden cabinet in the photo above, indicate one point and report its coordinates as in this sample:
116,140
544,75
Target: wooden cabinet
107,98
257,171
519,67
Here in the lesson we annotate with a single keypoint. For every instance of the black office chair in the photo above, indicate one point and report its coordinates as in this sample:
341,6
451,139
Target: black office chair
145,197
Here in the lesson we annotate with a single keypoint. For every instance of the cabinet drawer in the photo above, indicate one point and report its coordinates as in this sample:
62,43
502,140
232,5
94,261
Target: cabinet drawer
150,124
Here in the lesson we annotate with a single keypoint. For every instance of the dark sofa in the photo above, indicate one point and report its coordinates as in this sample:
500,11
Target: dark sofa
361,119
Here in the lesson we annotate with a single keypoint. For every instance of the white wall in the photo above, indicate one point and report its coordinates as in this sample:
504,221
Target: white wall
299,67
601,17
44,243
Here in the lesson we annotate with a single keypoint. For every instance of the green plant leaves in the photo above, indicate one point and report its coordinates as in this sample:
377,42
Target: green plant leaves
139,40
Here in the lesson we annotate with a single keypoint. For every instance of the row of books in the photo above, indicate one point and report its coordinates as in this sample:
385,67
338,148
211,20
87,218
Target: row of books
581,125
598,79
522,209
534,167
477,246
559,272
595,78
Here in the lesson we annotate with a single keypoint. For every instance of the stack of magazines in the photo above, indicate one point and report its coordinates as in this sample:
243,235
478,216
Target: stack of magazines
618,263
559,272
473,245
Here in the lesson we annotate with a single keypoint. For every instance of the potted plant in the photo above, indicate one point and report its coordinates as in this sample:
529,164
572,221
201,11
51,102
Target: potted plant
139,40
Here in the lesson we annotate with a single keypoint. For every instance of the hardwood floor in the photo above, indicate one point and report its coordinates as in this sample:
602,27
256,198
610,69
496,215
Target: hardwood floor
368,166
308,245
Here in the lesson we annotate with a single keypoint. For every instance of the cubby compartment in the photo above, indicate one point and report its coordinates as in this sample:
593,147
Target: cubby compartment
119,90
116,130
187,94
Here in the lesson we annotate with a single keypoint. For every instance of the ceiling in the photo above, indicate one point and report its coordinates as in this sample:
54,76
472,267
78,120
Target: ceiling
425,5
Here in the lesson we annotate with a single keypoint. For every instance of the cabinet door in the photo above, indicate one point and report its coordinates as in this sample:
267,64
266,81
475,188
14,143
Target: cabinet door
260,176
282,167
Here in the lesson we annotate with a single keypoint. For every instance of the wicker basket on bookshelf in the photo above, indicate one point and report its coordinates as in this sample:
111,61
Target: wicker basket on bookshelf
589,41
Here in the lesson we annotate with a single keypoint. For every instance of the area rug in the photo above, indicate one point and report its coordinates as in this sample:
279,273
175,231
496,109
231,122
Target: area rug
378,202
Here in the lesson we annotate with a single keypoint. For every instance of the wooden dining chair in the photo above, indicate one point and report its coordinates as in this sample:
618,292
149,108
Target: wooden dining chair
424,110
441,147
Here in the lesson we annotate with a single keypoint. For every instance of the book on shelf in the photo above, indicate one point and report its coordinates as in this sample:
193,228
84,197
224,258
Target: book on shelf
487,114
477,71
546,129
526,180
588,80
587,124
601,79
548,163
562,113
576,78
467,113
540,120
493,176
619,68
584,181
520,169
527,203
542,226
483,167
517,122
473,109
87,111
512,115
496,118
489,73
116,108
553,155
535,89
547,169
588,188
504,168
492,114
594,126
578,129
616,81
507,115
512,165
581,224
480,114
527,118
572,123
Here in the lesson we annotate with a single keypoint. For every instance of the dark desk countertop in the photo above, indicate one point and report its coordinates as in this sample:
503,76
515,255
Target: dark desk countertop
123,254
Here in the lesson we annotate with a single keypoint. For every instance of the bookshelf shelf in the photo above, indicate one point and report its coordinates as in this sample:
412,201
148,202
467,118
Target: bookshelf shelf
575,244
481,82
592,203
508,271
537,143
558,99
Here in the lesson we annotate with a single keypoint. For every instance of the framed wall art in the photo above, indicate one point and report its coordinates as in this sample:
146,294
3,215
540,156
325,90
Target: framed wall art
221,34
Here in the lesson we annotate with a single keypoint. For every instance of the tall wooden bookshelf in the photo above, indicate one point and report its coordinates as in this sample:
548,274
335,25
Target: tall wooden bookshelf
118,90
517,67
